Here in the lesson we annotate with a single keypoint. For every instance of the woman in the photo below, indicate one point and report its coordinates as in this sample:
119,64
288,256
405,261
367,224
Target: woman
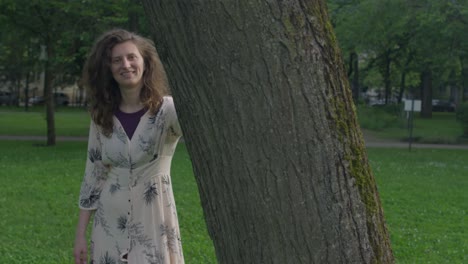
133,135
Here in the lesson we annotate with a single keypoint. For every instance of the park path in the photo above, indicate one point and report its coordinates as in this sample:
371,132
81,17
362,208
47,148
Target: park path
369,139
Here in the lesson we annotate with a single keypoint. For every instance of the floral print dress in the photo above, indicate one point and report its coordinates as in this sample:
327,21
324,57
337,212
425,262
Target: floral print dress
128,184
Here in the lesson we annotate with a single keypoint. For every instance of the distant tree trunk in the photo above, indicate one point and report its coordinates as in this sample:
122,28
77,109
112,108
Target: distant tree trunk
426,94
402,86
26,90
464,78
81,98
49,98
17,90
386,76
133,16
354,75
404,71
268,119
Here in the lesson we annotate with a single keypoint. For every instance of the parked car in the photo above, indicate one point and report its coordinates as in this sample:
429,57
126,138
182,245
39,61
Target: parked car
442,106
60,99
36,100
8,98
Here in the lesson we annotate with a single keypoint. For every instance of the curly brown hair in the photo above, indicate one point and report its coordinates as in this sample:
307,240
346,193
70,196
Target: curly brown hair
103,91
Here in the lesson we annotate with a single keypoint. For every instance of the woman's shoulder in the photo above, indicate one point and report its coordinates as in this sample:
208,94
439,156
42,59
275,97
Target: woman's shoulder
168,98
168,101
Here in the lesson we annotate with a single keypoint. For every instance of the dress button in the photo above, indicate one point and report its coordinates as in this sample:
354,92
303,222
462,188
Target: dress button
128,213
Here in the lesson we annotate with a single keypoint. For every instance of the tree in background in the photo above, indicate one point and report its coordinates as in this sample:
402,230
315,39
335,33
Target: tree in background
65,30
406,39
270,126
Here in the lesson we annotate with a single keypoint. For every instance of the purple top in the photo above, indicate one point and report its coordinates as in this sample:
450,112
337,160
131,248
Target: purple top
129,121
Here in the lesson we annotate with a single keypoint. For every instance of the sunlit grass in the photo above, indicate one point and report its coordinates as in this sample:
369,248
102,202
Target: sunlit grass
441,128
393,124
423,194
33,123
38,201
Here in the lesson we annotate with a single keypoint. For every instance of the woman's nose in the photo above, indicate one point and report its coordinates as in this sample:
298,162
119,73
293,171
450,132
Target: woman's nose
125,63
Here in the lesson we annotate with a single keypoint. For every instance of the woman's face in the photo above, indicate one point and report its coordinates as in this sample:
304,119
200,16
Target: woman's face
127,65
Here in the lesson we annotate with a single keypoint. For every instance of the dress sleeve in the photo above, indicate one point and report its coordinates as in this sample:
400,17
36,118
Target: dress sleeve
95,171
174,121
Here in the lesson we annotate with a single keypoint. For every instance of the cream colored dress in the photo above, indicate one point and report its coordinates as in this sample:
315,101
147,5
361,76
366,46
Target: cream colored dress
128,184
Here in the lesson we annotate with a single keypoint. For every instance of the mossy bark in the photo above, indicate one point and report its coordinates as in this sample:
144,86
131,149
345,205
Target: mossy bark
270,126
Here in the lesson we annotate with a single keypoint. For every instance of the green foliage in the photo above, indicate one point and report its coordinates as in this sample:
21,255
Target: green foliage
378,118
66,28
398,37
462,117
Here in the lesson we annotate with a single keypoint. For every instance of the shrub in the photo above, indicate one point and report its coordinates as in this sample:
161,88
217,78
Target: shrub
462,117
378,118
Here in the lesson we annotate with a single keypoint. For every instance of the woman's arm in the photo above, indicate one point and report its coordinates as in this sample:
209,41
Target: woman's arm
80,251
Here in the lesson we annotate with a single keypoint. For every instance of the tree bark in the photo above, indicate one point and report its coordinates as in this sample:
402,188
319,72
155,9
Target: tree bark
354,70
386,76
49,97
426,94
269,123
464,78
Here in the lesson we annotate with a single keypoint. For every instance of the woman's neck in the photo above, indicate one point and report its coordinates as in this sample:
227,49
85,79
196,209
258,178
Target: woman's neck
131,101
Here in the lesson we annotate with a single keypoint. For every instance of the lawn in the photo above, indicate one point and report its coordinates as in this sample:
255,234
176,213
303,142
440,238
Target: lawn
390,122
38,201
423,194
74,121
441,128
69,121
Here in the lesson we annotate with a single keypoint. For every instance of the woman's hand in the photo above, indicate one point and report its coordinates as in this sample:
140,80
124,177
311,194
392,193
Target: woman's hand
80,252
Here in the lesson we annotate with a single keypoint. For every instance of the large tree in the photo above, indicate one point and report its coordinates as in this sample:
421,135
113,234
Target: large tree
270,126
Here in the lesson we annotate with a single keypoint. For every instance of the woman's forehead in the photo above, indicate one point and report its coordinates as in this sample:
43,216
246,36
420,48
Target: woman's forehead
125,48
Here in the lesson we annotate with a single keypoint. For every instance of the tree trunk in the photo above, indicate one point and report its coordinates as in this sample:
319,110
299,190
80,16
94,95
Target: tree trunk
426,94
386,77
133,16
464,78
49,98
354,70
26,89
267,112
404,71
402,86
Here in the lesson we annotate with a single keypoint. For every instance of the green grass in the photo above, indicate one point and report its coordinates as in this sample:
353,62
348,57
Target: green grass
38,201
70,122
423,194
380,123
441,128
385,123
390,123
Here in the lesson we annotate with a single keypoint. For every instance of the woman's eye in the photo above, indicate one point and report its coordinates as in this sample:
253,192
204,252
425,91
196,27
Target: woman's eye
115,61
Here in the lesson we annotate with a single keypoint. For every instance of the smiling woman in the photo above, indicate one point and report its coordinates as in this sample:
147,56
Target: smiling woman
133,135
